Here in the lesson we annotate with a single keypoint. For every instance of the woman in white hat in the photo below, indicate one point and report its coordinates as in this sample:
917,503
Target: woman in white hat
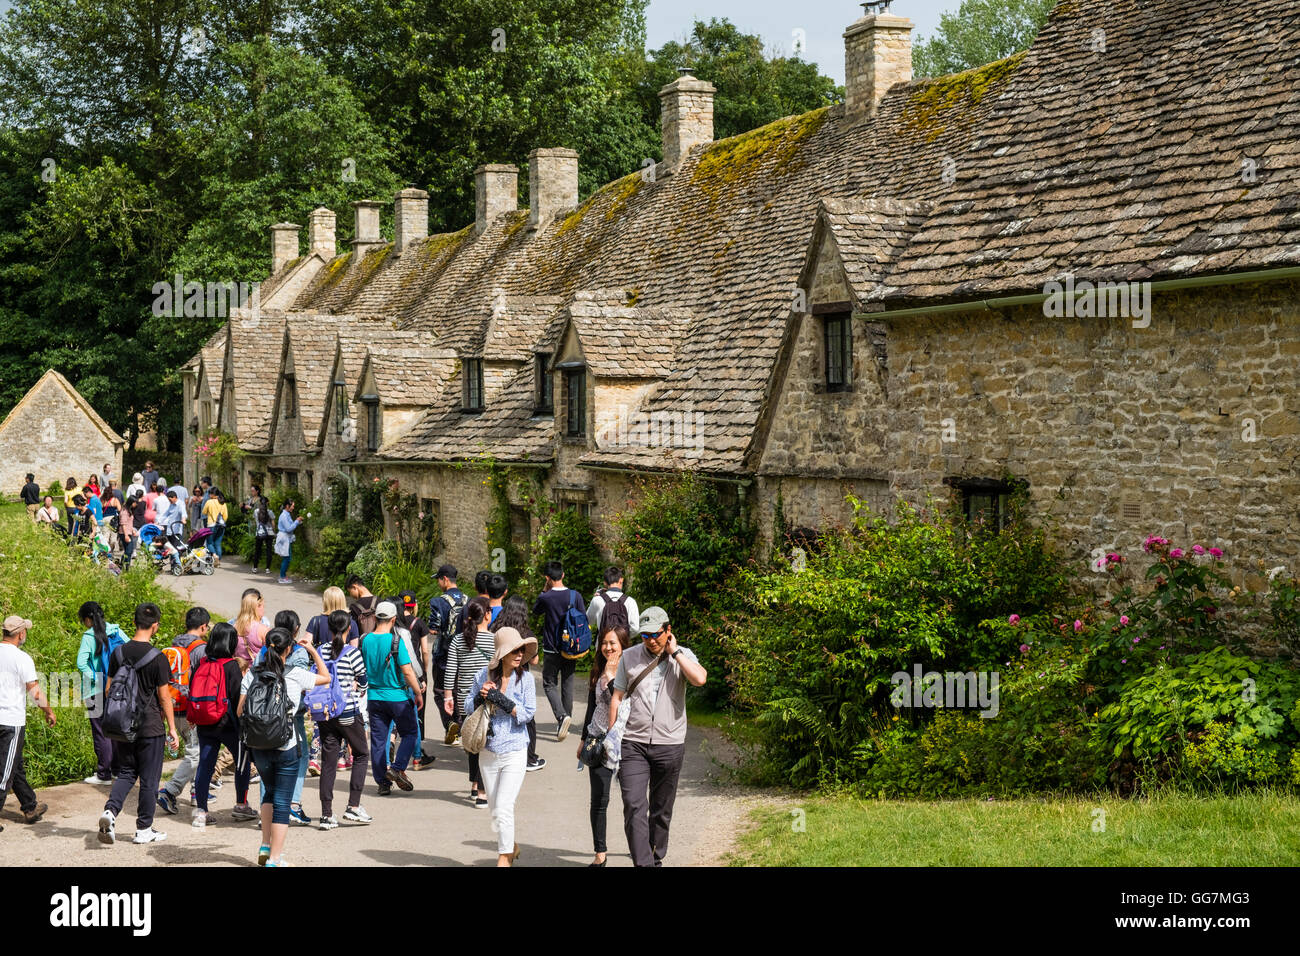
506,686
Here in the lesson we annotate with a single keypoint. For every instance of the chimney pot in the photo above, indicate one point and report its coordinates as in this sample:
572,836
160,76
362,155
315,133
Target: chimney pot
877,54
284,245
320,233
686,117
552,184
496,190
410,218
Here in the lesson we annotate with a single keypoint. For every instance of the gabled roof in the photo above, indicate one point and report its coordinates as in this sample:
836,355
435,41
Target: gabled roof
867,235
622,341
518,325
253,352
51,377
409,376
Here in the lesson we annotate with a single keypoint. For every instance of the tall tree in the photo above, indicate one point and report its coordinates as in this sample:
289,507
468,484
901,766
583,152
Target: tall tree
980,32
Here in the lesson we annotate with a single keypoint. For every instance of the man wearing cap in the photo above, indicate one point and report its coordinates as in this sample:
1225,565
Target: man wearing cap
654,740
17,682
393,687
446,616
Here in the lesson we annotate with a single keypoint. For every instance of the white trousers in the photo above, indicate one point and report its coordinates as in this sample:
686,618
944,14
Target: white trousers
503,775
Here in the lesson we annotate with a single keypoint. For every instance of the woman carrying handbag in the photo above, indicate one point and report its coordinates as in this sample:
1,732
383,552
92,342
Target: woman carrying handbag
601,745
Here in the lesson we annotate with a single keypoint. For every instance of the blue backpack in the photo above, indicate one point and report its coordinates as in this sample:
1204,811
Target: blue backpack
326,701
575,635
115,640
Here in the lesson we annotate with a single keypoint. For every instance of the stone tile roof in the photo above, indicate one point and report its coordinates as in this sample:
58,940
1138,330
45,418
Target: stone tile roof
313,343
517,326
623,341
868,235
1125,164
254,350
409,375
77,399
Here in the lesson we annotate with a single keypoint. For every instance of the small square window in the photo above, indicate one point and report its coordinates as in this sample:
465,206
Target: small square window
987,502
839,351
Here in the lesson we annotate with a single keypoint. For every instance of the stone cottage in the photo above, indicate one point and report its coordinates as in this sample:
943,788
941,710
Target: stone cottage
54,434
1072,271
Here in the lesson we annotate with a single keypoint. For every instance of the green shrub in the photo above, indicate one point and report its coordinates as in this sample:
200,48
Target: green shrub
567,537
371,558
406,572
338,544
1228,757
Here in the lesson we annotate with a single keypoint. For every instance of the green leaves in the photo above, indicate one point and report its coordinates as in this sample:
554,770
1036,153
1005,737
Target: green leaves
980,32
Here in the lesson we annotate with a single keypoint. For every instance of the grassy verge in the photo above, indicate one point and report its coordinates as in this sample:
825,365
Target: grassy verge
40,579
1253,829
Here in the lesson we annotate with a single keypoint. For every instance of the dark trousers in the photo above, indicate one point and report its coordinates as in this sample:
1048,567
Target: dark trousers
332,734
439,686
532,741
107,761
13,769
383,713
279,770
141,761
210,745
601,778
652,768
258,545
557,681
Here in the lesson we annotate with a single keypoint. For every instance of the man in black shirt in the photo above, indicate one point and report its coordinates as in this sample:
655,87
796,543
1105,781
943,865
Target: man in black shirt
557,671
32,497
142,759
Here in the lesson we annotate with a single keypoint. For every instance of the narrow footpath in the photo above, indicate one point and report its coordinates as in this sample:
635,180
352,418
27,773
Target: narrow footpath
435,824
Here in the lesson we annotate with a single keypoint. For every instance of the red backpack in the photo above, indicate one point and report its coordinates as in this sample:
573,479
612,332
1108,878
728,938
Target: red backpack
208,699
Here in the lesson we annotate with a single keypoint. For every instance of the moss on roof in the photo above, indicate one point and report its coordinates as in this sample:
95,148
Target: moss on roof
618,193
931,105
727,161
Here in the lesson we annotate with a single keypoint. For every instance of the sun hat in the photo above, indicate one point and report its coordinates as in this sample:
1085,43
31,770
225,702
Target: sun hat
507,641
14,623
652,620
385,610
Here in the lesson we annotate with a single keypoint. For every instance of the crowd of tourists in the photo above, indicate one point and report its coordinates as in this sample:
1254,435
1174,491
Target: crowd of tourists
115,521
274,702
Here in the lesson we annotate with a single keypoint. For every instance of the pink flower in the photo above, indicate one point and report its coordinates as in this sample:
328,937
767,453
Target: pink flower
1014,619
1078,626
1197,549
1176,553
1124,661
1123,619
1114,558
1216,552
1024,648
1136,639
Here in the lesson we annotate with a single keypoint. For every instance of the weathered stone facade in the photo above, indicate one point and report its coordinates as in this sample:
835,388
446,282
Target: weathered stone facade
55,434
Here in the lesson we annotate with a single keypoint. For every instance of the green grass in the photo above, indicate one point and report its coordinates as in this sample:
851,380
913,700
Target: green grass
42,580
1254,829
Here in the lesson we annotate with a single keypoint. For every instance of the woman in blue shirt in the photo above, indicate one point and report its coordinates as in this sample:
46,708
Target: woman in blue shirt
510,690
285,528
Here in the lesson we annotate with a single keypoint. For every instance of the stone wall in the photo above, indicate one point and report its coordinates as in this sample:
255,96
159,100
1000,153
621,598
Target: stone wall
50,436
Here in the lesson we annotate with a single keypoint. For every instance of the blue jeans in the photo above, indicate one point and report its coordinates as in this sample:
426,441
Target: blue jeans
279,768
382,714
301,769
284,566
218,535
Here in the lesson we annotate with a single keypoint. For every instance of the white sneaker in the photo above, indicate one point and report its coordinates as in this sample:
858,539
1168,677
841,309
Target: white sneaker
149,836
357,815
94,779
200,819
328,823
564,728
107,831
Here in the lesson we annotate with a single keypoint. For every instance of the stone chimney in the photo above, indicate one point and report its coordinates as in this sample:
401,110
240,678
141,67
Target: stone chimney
552,184
686,117
410,218
366,219
877,54
320,233
284,245
496,190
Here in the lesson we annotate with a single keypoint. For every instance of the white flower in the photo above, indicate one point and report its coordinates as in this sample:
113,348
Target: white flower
1274,572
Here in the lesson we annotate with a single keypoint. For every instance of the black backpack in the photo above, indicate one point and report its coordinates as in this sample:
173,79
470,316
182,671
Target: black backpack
613,613
125,705
265,723
455,623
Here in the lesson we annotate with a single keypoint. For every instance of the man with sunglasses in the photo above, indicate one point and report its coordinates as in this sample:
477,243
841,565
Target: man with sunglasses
654,740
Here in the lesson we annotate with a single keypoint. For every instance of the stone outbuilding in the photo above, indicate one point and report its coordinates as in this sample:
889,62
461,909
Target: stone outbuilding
54,433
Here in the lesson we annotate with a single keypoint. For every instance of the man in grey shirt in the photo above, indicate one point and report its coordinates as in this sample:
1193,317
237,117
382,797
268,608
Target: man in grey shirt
654,740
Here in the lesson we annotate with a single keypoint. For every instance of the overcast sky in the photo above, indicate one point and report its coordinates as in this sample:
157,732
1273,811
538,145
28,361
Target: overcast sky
822,22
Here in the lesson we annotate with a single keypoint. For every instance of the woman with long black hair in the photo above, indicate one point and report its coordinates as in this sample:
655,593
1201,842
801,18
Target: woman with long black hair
470,651
97,643
278,767
600,689
223,730
348,725
263,533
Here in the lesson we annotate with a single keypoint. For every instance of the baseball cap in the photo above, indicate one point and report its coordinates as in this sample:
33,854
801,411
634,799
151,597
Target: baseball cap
446,571
652,619
407,598
14,623
386,610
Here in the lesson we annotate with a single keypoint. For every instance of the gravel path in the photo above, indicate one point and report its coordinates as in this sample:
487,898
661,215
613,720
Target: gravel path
433,825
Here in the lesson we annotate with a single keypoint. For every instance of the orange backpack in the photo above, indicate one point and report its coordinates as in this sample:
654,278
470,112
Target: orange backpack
178,658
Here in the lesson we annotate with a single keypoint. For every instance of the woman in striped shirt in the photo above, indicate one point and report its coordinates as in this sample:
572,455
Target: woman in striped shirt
346,726
470,652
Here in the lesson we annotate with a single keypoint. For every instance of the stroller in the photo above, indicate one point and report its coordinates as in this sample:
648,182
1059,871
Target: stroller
191,557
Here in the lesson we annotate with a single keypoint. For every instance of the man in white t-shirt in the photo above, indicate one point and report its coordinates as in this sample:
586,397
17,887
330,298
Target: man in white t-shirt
17,681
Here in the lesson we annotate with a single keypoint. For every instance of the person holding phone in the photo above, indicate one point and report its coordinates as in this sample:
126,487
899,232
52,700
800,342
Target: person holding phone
653,676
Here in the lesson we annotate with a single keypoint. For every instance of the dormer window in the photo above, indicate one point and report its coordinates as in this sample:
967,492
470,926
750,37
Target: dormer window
544,387
839,351
575,402
372,421
340,407
472,390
